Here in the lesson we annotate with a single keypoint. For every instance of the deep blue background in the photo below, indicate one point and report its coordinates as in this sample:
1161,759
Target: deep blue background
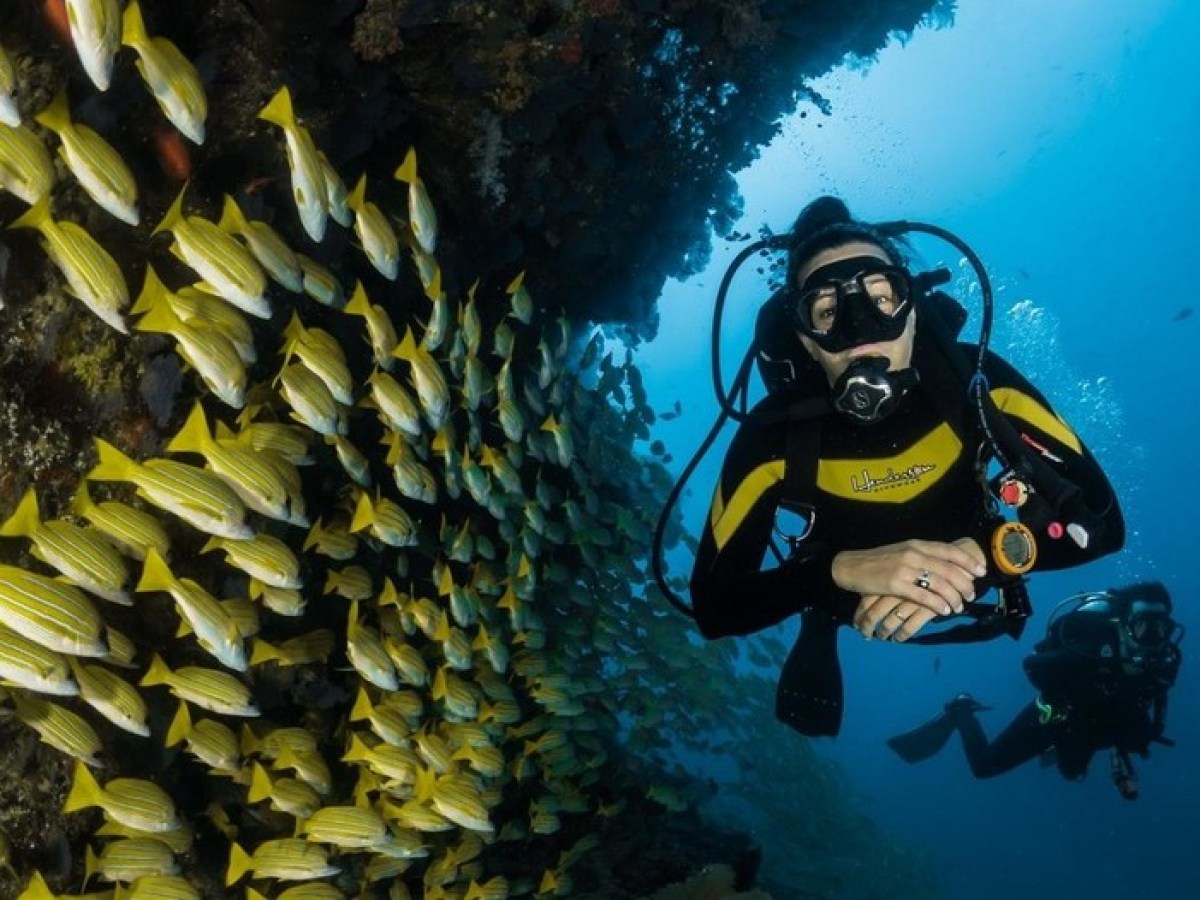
1059,138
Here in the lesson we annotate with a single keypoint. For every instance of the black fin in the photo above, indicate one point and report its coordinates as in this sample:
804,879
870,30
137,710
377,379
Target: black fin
925,740
809,697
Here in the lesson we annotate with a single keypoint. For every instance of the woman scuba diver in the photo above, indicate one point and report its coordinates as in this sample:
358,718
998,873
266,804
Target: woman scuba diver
868,461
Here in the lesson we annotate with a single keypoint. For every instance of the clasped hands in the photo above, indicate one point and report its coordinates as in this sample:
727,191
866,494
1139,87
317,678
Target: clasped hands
904,586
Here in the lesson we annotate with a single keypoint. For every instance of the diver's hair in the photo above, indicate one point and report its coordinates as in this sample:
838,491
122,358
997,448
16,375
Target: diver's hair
826,222
1143,591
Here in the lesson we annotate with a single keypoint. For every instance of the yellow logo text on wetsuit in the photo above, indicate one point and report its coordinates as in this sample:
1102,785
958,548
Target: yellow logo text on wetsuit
895,479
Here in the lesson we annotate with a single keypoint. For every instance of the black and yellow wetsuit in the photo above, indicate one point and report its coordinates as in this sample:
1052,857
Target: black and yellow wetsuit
911,476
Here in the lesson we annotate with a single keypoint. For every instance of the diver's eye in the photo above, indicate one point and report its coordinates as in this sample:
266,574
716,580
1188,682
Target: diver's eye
883,293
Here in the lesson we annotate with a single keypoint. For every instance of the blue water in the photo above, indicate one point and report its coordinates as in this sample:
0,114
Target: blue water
1059,139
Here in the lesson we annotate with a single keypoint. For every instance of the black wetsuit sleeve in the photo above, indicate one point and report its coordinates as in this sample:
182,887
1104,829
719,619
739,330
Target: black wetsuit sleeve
732,593
1044,434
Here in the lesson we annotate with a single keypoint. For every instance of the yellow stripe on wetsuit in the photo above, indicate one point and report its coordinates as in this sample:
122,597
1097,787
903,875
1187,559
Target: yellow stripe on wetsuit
726,518
896,479
1015,403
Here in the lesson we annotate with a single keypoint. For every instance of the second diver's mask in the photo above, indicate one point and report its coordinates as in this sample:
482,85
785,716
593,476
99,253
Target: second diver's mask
855,301
1149,627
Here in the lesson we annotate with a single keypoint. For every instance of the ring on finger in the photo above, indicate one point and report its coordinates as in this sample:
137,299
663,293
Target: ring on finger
922,581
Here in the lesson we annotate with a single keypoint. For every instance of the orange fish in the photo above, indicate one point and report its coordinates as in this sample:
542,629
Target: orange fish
173,155
55,14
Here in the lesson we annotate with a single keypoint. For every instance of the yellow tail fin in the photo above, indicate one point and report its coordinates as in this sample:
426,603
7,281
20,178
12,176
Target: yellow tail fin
26,520
85,790
279,110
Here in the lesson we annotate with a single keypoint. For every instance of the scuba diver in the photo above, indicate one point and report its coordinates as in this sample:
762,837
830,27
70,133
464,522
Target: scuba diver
1102,674
868,463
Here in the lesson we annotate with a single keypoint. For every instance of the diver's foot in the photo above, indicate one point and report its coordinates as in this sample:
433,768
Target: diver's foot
965,703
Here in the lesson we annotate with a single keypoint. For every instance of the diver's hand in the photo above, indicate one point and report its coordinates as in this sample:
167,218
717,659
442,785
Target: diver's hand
890,618
933,575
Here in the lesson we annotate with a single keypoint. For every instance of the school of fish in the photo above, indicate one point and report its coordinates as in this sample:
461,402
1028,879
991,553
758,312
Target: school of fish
476,550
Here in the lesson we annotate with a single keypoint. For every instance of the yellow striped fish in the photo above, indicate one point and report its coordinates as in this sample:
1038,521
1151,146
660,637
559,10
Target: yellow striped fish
249,474
10,115
409,663
311,402
365,651
223,263
320,351
397,408
396,763
495,888
96,33
81,556
26,169
320,284
210,741
205,347
215,629
457,799
199,498
288,442
354,463
93,276
284,601
428,379
380,330
308,176
121,649
272,252
129,859
522,302
134,802
287,795
263,557
159,887
309,766
171,77
412,477
59,727
55,615
347,827
203,309
113,697
288,859
209,689
386,520
311,647
28,664
37,889
389,722
335,193
99,168
333,541
422,217
131,530
379,242
180,841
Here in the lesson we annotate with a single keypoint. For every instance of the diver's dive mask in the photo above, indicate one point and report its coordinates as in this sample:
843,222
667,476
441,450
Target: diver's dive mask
855,301
1150,627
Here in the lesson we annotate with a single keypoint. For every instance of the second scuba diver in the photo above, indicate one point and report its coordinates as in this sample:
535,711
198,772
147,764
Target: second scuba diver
867,461
1102,672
